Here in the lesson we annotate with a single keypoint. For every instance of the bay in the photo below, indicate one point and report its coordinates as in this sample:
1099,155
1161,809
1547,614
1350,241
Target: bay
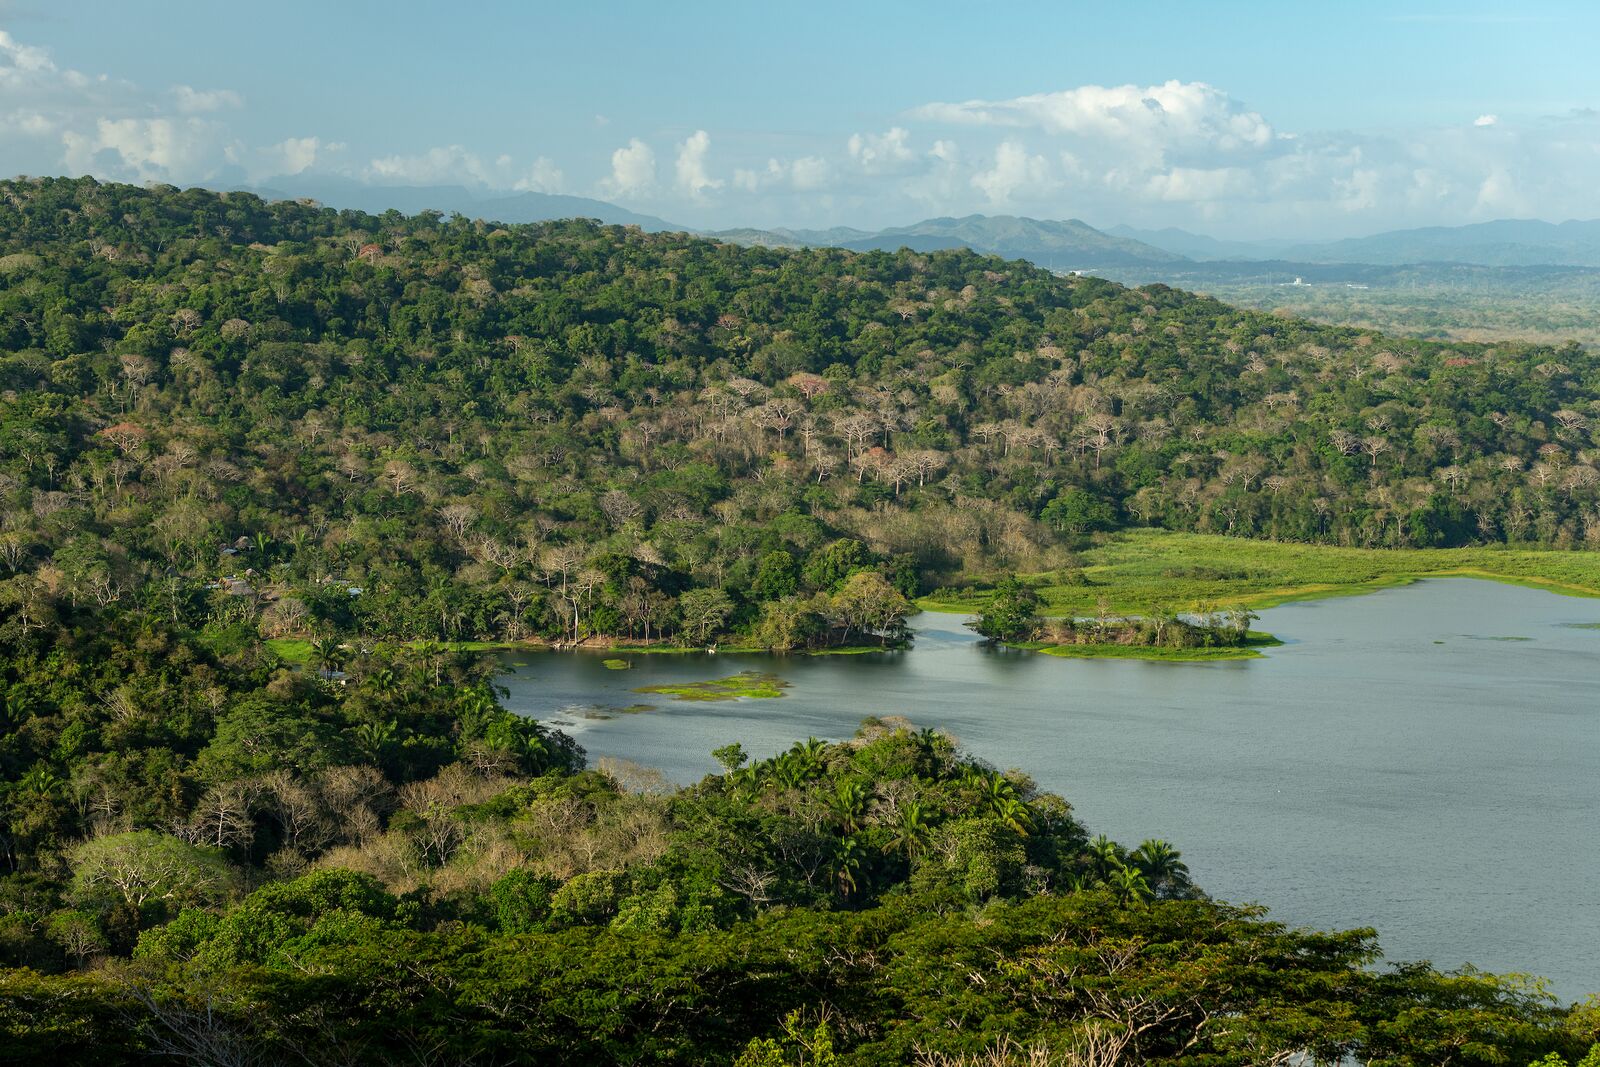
1424,760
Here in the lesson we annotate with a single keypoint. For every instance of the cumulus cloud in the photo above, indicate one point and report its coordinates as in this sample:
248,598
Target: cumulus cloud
1015,175
693,178
810,172
292,155
543,177
57,118
806,174
633,170
147,149
1197,184
446,163
1486,120
452,164
1171,115
883,152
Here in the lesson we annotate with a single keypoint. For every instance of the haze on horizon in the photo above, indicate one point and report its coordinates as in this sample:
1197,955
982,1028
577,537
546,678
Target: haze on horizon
1245,121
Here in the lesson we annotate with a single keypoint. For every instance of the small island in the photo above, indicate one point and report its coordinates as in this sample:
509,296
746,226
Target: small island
1209,634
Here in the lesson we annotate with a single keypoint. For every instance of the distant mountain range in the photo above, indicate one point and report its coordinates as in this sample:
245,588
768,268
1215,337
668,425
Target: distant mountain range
1069,245
1060,245
1198,246
1502,243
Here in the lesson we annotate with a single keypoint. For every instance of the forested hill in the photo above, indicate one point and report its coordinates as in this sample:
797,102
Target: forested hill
222,418
421,426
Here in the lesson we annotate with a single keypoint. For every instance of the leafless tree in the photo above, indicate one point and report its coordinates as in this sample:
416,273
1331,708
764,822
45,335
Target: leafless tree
619,507
457,517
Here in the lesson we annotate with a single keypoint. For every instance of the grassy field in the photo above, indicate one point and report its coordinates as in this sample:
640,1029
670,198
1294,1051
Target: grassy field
1143,569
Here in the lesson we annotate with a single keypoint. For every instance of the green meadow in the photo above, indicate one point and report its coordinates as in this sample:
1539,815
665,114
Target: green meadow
1139,570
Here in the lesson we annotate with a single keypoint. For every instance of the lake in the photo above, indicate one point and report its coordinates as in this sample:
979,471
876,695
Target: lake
1425,760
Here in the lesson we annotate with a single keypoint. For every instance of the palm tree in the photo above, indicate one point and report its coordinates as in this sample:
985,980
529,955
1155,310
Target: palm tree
1105,857
787,770
1015,814
848,804
1000,797
1129,885
384,682
1162,865
327,656
810,753
847,864
373,737
911,831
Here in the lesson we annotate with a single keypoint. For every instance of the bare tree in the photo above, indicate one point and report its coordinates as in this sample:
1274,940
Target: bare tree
457,517
619,507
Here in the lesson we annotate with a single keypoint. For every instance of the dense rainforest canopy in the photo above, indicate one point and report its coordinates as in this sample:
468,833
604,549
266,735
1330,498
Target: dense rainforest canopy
223,419
430,427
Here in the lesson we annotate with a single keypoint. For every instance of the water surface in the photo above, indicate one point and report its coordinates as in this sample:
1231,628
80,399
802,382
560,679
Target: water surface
1425,760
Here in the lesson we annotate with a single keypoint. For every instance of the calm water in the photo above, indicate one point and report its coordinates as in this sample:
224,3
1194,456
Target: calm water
1425,760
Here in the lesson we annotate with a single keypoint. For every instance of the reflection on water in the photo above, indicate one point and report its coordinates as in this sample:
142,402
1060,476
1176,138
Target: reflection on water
1425,760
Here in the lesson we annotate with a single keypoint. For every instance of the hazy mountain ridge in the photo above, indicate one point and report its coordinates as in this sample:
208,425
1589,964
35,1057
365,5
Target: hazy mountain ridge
1070,244
493,205
1501,243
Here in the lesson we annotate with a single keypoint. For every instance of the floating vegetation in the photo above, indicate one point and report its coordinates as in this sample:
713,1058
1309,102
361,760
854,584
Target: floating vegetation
569,715
754,685
1483,637
1581,625
616,664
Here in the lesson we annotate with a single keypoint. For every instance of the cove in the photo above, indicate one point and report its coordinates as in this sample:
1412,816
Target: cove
1424,759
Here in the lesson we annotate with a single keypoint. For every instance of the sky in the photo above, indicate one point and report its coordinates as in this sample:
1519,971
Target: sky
1238,119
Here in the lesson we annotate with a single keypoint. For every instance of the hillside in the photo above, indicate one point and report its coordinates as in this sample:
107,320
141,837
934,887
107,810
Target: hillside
462,421
223,420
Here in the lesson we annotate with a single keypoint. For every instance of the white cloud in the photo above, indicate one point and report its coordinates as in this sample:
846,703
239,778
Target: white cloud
753,180
881,153
543,177
293,155
810,173
1486,120
21,64
196,102
150,149
633,170
1171,115
693,179
443,164
1202,183
1015,175
806,174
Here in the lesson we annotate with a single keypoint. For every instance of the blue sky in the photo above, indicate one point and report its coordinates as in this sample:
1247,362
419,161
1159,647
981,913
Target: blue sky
1238,119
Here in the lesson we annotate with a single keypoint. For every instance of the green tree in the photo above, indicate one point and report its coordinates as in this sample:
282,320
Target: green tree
777,576
146,869
704,613
868,605
1012,614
